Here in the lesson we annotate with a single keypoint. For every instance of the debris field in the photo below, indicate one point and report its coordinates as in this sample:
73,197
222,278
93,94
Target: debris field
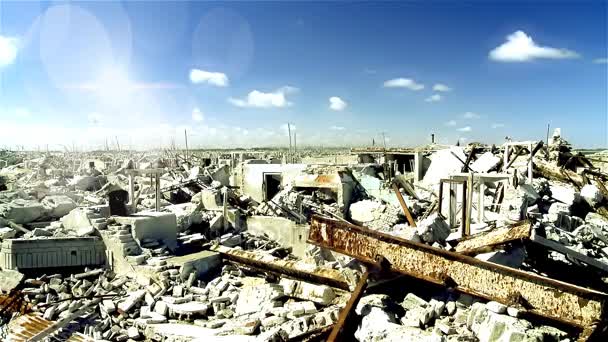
433,243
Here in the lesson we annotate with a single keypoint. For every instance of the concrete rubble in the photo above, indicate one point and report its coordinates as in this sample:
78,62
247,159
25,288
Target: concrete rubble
174,246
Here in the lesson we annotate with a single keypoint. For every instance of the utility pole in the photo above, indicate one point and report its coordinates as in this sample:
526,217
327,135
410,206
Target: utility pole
186,137
289,132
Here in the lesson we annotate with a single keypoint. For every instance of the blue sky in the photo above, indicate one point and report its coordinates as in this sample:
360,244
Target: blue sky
233,74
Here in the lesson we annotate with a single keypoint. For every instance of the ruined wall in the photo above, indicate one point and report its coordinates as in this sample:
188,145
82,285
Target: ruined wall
52,252
252,178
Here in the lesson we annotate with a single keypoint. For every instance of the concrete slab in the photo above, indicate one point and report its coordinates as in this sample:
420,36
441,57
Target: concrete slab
202,263
286,232
152,225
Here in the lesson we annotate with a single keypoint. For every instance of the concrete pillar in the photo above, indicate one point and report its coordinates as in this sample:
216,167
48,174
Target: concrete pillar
225,208
417,167
481,199
132,194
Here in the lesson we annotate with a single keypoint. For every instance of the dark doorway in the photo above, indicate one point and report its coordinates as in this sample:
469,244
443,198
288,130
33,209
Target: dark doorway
118,200
272,185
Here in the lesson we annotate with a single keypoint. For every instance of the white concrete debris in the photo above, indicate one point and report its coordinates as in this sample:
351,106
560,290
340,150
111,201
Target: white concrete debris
150,293
592,194
58,206
485,162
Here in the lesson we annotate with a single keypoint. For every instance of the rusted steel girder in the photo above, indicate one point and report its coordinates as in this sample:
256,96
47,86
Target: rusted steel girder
539,295
406,210
489,241
295,269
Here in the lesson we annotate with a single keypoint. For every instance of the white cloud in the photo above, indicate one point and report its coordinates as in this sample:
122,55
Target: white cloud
22,112
8,50
197,115
520,47
337,104
451,123
471,115
498,125
433,98
441,87
337,128
464,129
403,83
258,99
600,61
214,78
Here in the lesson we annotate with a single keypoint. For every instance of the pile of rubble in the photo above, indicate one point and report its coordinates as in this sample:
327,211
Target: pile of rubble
168,246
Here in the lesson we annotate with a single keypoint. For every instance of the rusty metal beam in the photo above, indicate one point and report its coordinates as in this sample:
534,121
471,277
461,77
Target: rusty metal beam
538,295
406,211
489,241
334,336
290,268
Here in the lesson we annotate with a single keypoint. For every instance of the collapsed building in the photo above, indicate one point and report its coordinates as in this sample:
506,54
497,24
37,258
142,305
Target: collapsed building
435,243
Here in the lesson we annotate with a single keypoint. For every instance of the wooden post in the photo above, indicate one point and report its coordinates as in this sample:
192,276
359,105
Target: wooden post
467,204
406,211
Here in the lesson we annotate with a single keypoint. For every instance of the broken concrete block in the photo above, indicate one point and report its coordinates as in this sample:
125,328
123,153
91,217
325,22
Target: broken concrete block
108,306
88,183
592,194
76,219
411,301
131,301
255,298
186,214
216,225
58,205
154,225
22,211
133,333
161,308
189,308
9,280
563,193
485,162
496,307
209,198
433,229
489,326
363,211
7,233
373,300
321,294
